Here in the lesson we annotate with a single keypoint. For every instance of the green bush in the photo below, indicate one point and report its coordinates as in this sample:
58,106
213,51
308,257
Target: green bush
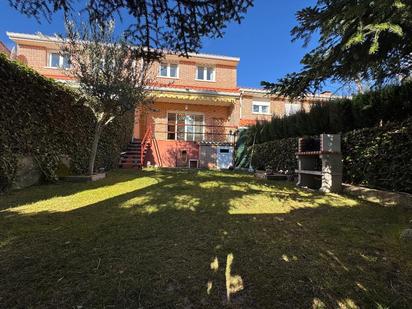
379,157
44,119
279,155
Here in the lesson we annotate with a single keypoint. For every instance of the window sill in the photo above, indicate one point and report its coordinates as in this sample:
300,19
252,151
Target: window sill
264,114
205,80
58,68
168,77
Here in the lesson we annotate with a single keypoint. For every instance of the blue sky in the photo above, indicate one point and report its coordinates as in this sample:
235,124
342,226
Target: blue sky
262,41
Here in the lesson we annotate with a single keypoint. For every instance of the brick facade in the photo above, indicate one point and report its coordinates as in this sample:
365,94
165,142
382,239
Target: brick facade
4,49
225,71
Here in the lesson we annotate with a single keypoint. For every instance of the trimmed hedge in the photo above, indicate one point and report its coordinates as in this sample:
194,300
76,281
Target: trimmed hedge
279,155
378,157
44,119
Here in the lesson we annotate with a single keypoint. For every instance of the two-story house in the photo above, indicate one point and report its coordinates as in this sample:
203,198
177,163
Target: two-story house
197,111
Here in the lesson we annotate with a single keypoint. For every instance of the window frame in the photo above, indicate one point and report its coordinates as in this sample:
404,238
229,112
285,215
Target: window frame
61,61
205,67
186,113
293,112
168,64
260,104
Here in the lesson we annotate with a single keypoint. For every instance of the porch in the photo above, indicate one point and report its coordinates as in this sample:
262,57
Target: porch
184,140
183,132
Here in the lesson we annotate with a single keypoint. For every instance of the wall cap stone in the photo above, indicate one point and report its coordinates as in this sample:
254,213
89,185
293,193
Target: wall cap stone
385,198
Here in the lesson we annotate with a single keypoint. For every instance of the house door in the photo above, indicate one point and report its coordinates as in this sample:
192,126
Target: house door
224,157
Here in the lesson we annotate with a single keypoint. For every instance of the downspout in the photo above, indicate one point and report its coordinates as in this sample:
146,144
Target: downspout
241,104
251,170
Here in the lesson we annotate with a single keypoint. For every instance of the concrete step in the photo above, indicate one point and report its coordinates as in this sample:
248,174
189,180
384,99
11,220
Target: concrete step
129,165
132,153
130,161
130,157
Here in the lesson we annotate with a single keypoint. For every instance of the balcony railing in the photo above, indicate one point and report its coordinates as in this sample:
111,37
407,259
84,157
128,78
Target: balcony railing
195,132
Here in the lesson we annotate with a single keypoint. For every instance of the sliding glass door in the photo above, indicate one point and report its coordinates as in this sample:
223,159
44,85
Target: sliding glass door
183,126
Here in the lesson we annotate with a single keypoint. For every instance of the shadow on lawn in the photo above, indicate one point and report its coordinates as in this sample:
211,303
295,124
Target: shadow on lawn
169,244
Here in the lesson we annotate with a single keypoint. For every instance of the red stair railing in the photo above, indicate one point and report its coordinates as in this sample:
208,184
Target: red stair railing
145,141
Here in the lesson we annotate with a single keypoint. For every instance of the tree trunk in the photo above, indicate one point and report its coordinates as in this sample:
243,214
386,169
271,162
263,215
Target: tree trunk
96,138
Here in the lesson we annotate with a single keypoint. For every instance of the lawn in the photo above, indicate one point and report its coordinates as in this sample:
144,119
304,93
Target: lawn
199,239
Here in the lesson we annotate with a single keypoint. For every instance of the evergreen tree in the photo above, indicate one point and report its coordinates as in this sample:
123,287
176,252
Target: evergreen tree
358,40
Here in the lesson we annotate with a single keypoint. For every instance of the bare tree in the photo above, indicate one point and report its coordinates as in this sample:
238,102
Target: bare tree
113,76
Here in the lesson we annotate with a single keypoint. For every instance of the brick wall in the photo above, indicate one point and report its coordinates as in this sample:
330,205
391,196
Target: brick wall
225,70
225,73
277,107
4,49
37,58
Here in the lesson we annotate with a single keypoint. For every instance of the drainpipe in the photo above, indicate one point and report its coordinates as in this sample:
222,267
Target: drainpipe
241,104
251,170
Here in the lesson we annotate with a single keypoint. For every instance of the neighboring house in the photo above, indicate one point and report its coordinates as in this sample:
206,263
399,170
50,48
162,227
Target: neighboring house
197,111
4,49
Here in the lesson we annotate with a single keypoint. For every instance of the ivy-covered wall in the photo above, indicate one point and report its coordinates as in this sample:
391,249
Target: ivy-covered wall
378,157
43,119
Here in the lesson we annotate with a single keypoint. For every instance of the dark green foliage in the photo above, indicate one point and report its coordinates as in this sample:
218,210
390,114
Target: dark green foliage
379,157
279,155
393,103
43,119
241,154
355,41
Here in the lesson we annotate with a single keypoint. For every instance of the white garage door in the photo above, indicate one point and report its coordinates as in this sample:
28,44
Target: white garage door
224,157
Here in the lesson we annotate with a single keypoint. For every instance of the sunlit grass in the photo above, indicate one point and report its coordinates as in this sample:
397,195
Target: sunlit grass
199,239
256,198
83,198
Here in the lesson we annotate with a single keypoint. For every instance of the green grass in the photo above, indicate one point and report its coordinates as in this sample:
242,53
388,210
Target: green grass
199,239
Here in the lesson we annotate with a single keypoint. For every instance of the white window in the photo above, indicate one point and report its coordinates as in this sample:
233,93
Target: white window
57,60
185,127
261,107
292,108
205,73
169,70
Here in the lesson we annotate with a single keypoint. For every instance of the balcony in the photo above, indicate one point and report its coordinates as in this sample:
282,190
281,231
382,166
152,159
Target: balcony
195,132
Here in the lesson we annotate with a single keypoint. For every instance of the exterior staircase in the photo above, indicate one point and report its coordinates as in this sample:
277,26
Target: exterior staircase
132,157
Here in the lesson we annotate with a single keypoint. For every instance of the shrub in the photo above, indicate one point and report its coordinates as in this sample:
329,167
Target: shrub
379,157
279,155
44,119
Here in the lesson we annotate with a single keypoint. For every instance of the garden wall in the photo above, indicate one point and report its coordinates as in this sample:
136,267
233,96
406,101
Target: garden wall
44,120
378,157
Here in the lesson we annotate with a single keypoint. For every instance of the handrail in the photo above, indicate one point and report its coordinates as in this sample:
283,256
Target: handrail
146,138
